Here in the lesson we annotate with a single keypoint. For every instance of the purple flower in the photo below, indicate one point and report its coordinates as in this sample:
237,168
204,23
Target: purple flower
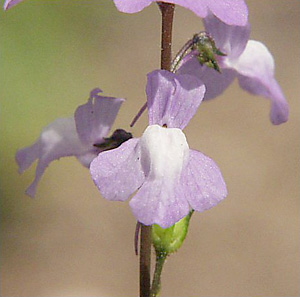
74,136
10,3
167,176
248,60
232,12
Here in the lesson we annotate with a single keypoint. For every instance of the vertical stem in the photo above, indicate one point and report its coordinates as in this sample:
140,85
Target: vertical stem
156,283
145,261
167,12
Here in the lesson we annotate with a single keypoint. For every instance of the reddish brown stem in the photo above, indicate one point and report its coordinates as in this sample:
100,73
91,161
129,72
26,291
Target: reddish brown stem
167,11
145,261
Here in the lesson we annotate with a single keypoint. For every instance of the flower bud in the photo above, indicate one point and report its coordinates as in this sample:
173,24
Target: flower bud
207,49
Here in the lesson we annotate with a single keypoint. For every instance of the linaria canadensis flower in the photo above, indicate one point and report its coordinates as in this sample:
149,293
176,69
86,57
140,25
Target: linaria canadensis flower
10,3
75,136
168,177
248,60
232,12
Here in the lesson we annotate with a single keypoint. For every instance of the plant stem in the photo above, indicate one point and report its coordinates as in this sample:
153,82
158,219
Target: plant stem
179,56
145,260
167,12
156,283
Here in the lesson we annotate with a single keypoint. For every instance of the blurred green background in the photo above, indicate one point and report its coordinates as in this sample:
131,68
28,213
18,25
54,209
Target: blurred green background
69,241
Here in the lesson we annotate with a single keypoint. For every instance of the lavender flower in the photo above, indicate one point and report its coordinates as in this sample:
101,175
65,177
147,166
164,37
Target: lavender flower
10,3
248,60
232,12
169,177
74,136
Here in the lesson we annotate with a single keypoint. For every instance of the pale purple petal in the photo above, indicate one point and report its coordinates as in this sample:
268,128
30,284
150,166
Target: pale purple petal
26,156
95,118
256,75
280,108
173,99
88,156
10,3
203,183
57,140
232,12
132,6
215,82
118,173
95,93
159,202
231,40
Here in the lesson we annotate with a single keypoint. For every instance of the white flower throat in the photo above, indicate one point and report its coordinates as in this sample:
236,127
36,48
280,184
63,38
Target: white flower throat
164,151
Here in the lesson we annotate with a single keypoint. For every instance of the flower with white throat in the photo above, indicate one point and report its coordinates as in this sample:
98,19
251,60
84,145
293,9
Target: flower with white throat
167,177
248,60
74,136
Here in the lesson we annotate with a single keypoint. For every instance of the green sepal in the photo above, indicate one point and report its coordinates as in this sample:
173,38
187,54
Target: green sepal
169,240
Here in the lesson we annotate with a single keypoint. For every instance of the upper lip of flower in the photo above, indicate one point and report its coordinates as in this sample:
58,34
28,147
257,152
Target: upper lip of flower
233,12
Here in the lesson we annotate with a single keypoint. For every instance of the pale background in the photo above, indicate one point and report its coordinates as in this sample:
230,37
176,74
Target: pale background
69,241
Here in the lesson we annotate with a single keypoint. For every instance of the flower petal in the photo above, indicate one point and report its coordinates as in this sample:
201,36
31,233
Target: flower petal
203,183
231,40
10,3
215,82
159,202
130,6
232,12
87,156
118,173
173,99
256,75
57,140
95,118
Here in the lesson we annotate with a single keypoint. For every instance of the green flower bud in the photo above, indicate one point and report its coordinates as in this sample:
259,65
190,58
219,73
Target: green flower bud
169,240
207,49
